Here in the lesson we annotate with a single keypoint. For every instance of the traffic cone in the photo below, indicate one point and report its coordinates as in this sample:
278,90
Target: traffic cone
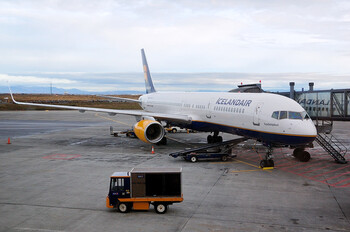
152,149
9,141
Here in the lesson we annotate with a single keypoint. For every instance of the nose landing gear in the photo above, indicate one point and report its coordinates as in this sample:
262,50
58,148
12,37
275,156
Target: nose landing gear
268,161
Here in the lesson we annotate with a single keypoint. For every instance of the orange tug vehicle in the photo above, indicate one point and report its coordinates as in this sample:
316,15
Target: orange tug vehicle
141,187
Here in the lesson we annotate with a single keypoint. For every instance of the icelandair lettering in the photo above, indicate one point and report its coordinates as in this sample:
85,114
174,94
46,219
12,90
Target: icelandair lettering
233,102
313,102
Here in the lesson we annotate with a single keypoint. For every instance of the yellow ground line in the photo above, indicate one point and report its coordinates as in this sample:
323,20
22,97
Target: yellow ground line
247,170
97,115
258,168
240,161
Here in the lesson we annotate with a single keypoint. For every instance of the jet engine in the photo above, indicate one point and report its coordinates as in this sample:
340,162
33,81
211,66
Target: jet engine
149,131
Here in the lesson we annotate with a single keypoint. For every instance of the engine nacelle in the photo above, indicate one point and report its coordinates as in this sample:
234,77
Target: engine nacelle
149,131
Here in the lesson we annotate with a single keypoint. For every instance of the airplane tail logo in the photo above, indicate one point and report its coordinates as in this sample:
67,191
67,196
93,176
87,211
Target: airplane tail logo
148,79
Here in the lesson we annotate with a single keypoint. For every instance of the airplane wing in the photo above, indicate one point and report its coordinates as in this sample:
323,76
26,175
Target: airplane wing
122,99
137,113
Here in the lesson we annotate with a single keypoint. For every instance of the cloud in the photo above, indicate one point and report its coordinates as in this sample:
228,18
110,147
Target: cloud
98,38
33,80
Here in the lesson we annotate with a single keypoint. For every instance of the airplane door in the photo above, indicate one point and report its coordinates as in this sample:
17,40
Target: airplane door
208,113
257,113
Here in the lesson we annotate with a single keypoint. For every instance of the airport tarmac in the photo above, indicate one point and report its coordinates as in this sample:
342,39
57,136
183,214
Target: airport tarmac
54,176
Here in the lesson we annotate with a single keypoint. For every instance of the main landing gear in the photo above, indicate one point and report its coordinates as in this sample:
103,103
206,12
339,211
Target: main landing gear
301,154
163,141
214,138
268,161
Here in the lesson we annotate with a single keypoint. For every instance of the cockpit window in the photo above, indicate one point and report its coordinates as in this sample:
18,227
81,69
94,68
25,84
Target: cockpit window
295,115
275,114
290,114
305,115
283,115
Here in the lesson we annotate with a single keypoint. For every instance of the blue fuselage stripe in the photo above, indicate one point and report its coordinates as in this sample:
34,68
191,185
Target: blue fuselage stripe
262,136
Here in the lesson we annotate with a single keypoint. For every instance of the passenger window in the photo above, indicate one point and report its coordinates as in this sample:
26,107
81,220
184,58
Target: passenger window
283,115
275,114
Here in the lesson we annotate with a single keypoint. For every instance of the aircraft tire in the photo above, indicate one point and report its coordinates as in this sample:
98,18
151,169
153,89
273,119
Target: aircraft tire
263,163
304,156
224,158
297,152
219,139
267,164
210,139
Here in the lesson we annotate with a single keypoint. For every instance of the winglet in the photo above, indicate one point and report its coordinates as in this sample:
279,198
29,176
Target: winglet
12,95
148,79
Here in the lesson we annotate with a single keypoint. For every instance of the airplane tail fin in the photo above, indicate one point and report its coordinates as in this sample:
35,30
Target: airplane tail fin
148,79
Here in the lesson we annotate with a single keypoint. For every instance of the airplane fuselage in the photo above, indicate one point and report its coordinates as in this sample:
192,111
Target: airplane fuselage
247,114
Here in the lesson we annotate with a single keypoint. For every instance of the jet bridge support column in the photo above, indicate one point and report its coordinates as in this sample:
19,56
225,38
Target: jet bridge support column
291,91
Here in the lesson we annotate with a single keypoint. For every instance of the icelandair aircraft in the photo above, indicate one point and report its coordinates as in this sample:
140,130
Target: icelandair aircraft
273,119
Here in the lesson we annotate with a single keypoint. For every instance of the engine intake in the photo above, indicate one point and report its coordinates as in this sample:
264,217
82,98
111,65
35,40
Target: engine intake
149,131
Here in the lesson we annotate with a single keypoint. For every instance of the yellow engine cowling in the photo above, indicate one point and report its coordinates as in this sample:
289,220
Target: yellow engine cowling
149,131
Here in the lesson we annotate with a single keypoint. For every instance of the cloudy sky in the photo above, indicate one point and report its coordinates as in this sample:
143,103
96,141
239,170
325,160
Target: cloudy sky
95,45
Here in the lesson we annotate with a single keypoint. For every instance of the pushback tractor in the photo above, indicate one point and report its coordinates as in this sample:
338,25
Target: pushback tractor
142,187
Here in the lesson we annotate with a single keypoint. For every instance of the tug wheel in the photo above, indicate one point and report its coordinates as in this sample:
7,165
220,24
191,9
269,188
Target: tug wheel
123,208
193,159
160,208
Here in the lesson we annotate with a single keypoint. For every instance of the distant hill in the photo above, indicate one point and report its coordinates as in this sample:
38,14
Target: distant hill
47,90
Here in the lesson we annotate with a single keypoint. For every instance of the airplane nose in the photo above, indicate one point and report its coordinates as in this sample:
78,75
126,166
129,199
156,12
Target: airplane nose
310,129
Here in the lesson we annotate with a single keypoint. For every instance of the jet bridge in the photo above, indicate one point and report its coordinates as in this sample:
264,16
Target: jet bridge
332,105
324,107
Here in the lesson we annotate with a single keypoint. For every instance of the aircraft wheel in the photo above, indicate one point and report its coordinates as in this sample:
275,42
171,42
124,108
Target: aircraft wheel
271,163
174,130
263,163
210,139
304,156
123,208
224,158
193,159
297,152
219,139
267,163
160,208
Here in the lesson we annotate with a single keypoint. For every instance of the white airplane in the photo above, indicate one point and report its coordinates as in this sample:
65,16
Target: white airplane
270,118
